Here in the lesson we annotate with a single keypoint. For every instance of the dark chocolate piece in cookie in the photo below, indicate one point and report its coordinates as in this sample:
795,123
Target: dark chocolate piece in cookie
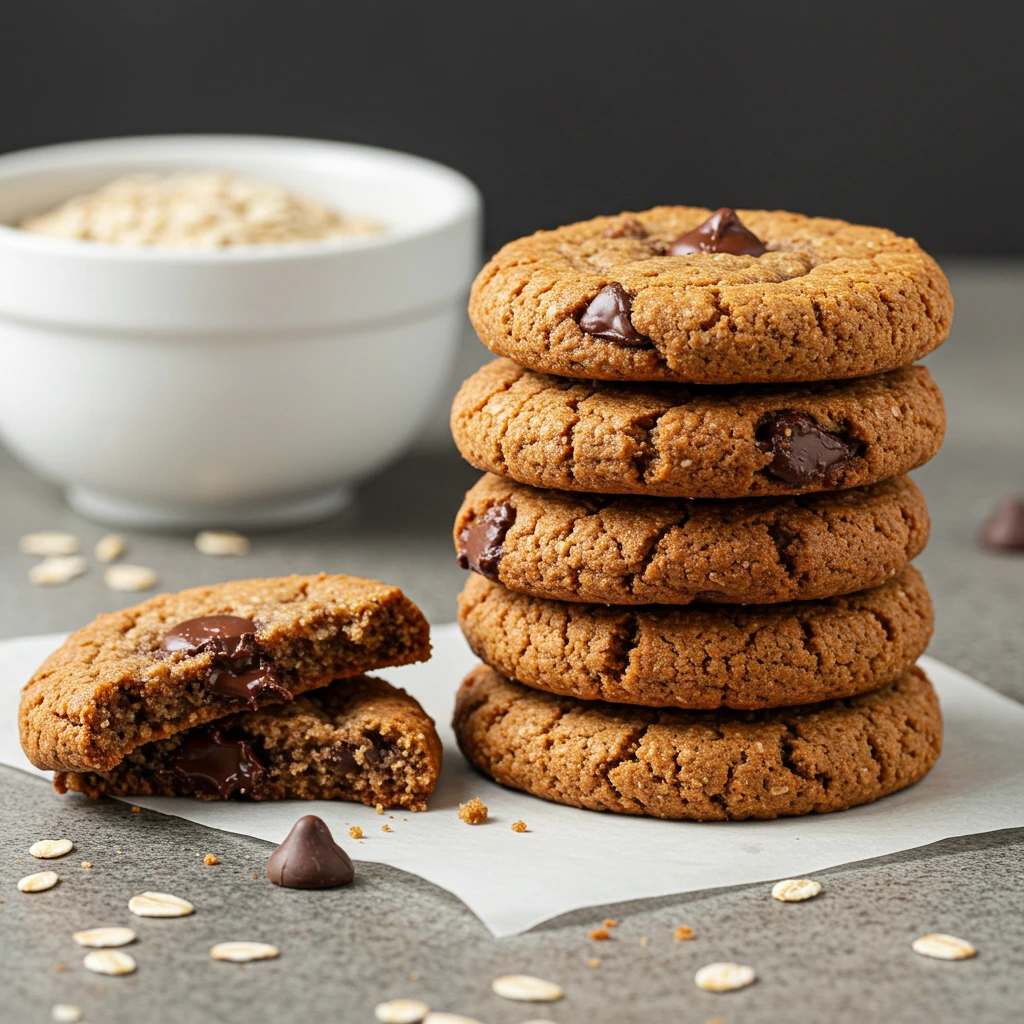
356,739
700,765
147,672
696,442
480,543
731,297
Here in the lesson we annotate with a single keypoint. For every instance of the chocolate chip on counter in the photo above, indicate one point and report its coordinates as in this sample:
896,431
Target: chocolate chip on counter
608,317
723,231
481,542
309,858
1004,528
211,762
803,453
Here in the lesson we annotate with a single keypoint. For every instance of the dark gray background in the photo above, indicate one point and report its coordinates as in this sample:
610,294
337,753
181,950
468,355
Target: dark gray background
902,114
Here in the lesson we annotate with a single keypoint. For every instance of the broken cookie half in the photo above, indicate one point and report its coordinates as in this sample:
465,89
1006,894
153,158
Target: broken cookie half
192,683
356,739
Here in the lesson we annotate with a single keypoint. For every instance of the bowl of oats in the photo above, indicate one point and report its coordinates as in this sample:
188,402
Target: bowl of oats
226,330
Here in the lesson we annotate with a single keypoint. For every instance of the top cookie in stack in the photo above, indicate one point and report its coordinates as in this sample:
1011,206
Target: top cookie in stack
733,393
758,297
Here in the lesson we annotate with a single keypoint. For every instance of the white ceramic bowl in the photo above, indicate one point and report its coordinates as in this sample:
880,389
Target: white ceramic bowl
240,387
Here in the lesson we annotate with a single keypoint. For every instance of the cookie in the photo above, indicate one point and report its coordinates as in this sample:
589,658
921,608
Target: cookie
668,440
774,297
357,739
615,550
700,765
181,660
702,656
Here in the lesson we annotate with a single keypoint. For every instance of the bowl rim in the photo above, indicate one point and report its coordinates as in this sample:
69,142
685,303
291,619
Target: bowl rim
468,200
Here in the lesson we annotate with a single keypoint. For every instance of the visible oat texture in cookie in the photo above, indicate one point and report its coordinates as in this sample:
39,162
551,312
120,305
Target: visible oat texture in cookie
357,739
828,300
112,687
631,550
697,765
675,441
702,656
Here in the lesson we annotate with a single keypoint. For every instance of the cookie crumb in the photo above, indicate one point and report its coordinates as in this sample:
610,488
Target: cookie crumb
252,876
355,832
86,864
59,968
209,860
683,933
593,962
136,810
385,827
379,808
600,934
609,923
474,812
519,826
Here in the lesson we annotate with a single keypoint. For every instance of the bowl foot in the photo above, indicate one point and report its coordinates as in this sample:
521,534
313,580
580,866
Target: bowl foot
269,514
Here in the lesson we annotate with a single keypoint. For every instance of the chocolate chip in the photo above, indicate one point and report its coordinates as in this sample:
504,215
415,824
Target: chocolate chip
309,858
481,543
211,762
237,671
253,685
1004,528
378,750
803,452
608,314
723,231
224,636
346,760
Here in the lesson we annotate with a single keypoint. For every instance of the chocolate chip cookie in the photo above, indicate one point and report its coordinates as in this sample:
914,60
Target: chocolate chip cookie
615,550
700,765
182,660
674,441
679,293
357,739
702,656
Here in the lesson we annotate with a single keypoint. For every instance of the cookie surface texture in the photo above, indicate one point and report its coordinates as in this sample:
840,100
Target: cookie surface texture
828,300
677,441
632,550
702,656
700,766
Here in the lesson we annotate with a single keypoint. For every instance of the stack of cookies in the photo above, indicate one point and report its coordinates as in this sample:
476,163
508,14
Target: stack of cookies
251,689
691,587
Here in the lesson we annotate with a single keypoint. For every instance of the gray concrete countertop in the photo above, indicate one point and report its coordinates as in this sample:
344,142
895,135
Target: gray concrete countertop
842,957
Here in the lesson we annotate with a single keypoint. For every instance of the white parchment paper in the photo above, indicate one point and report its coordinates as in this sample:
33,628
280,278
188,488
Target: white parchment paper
571,858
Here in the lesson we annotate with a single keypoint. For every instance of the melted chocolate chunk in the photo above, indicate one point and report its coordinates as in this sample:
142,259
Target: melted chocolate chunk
723,231
309,858
802,452
1004,529
346,760
481,542
213,763
237,672
608,314
378,750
